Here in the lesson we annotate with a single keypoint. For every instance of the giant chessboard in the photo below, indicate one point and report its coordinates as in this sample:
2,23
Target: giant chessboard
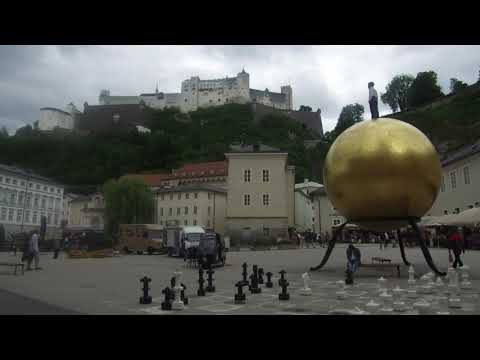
323,301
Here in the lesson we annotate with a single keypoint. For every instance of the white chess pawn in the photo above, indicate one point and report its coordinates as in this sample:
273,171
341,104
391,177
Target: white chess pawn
411,277
423,307
382,284
306,291
387,300
465,284
372,306
178,303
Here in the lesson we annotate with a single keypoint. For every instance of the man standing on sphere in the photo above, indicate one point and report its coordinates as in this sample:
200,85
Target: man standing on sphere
373,100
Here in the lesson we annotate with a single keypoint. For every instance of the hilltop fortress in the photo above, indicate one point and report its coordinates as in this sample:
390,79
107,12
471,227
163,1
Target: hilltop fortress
196,93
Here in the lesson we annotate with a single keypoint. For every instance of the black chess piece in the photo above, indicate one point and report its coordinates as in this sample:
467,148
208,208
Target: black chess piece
182,295
201,290
254,288
349,277
245,274
282,277
284,295
210,287
269,283
172,282
260,276
240,297
167,303
145,299
255,270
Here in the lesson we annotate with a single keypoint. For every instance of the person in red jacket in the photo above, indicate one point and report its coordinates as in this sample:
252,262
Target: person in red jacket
456,246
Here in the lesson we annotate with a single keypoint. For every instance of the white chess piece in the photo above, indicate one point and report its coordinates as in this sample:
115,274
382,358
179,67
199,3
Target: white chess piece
372,306
423,307
306,291
382,284
411,277
465,283
387,300
178,303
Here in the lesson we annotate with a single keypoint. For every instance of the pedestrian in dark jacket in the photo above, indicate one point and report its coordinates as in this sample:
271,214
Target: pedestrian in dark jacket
455,243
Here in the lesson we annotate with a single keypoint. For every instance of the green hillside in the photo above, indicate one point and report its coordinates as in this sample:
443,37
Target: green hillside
84,162
453,119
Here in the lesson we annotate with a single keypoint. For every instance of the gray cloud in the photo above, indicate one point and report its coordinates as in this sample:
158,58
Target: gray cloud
325,77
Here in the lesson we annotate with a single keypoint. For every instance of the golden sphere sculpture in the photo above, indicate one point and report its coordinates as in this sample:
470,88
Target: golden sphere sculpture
382,169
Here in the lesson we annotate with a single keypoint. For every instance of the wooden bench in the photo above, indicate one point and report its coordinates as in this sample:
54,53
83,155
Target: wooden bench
15,266
380,260
381,266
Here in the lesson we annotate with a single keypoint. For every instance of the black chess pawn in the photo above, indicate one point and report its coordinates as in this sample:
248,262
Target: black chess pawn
282,277
172,282
284,295
182,295
201,290
245,274
210,287
349,277
145,299
269,283
254,288
260,276
240,297
255,270
167,303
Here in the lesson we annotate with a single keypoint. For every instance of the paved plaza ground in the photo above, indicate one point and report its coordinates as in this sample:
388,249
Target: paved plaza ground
112,286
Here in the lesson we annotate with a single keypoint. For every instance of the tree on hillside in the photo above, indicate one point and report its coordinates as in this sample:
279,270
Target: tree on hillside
26,130
305,108
3,132
457,85
126,202
424,89
396,92
350,115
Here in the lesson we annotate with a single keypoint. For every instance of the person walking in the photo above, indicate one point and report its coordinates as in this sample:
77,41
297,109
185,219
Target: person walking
455,246
56,248
353,258
34,252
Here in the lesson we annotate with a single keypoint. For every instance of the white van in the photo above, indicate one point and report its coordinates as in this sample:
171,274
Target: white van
180,238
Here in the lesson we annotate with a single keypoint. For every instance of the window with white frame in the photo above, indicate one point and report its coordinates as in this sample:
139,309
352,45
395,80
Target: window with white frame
161,211
466,175
49,218
170,211
195,222
185,222
209,195
19,216
35,218
266,199
247,175
171,196
195,209
208,210
266,175
162,197
3,215
179,196
55,219
453,179
187,195
443,184
186,210
195,195
27,216
10,214
178,211
246,199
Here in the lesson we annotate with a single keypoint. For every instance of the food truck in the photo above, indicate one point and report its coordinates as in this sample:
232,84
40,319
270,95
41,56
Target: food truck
141,238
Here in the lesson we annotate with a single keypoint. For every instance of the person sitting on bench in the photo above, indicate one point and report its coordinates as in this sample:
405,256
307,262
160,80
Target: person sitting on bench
353,258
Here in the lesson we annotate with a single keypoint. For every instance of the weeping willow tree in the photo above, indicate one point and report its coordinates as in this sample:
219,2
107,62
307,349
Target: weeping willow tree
126,202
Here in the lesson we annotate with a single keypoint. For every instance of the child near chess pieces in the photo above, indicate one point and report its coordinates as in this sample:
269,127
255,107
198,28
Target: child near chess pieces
353,258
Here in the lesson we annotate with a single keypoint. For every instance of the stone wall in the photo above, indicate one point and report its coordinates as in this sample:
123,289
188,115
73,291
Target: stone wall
245,230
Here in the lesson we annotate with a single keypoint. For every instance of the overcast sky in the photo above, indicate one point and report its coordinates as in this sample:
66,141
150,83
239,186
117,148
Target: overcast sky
325,77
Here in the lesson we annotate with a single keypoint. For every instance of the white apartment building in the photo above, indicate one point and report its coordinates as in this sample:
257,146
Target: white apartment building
305,206
460,188
325,214
192,205
26,197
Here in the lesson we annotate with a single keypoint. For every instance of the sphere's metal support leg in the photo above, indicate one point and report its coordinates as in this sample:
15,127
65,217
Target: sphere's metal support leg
402,249
331,245
423,246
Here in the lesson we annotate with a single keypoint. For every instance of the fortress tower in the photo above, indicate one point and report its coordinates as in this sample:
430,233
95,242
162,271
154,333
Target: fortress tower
243,80
287,90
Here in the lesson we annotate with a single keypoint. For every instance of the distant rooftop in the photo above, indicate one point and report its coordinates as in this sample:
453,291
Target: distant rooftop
27,173
202,187
261,148
461,153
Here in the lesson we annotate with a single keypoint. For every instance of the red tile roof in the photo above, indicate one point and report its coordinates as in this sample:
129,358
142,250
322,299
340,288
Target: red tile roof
214,168
149,179
198,170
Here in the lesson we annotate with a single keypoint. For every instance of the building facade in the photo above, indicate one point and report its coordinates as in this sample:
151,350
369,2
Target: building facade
325,214
51,118
260,199
305,205
25,197
460,188
196,93
192,205
87,210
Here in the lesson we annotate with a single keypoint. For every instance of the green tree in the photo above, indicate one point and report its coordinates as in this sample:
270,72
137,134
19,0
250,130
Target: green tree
424,89
396,92
3,132
26,130
126,202
305,108
457,85
350,115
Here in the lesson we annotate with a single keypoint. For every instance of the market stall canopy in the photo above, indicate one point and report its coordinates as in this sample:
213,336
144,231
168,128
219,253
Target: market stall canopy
467,217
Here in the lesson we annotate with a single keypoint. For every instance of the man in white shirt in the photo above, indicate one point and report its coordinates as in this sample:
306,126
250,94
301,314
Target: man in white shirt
373,100
34,252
